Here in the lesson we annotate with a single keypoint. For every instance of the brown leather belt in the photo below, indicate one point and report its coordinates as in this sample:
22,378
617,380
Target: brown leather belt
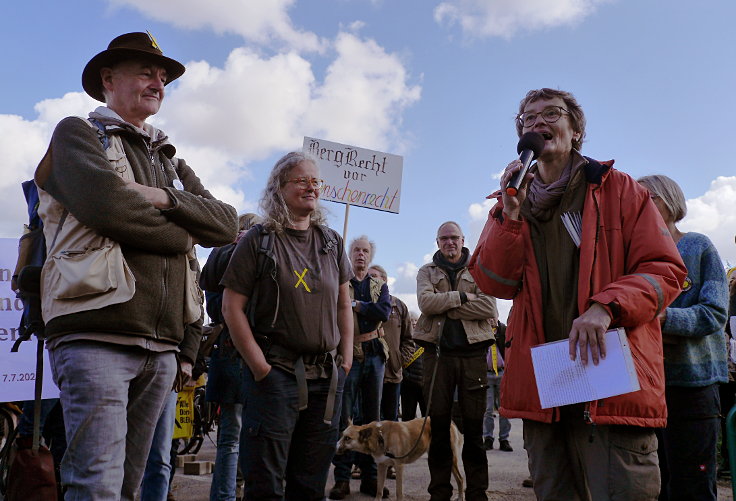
362,338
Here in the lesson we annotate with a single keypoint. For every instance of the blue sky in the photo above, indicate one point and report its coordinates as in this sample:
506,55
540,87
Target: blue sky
436,81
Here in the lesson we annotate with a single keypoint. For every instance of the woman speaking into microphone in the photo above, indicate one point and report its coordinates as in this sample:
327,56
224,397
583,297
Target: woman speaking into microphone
580,249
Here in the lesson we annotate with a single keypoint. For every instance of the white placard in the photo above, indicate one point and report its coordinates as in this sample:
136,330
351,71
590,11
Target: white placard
17,370
357,176
560,381
18,374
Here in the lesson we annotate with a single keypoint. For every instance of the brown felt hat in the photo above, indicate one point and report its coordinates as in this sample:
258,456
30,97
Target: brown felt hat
128,46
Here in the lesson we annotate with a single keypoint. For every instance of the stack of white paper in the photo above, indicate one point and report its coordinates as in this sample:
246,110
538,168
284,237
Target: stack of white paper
573,222
560,381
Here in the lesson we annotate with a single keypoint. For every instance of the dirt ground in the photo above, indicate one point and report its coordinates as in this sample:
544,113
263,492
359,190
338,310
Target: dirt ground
506,472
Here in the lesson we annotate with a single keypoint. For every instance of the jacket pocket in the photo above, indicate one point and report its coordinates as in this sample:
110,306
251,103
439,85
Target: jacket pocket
633,439
465,282
86,272
194,295
118,159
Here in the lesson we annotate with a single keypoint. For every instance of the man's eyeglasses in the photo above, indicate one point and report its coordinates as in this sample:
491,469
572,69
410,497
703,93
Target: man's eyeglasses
305,182
550,115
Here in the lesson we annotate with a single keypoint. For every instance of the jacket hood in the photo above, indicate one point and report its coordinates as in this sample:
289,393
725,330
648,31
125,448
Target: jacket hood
114,122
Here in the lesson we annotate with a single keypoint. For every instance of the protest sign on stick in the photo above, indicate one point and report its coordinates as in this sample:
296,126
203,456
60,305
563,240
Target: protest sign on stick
357,176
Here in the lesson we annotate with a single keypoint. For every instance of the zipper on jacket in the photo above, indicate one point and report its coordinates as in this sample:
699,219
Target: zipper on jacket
162,304
597,236
586,414
589,420
278,296
643,368
152,158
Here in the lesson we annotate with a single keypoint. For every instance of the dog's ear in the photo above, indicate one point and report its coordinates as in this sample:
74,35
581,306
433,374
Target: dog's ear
365,434
350,421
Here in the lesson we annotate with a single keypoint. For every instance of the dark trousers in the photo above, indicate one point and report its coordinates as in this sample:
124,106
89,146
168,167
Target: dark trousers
467,376
727,392
281,445
365,380
687,446
411,395
390,401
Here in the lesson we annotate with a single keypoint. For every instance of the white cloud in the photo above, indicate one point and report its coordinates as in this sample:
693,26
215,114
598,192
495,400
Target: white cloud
713,215
505,18
223,119
261,21
363,96
254,106
478,213
22,144
249,109
405,280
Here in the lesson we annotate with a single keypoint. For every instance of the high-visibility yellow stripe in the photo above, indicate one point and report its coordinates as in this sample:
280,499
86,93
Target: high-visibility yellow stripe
416,355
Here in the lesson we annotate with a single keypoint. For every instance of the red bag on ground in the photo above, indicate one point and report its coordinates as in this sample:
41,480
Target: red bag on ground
31,476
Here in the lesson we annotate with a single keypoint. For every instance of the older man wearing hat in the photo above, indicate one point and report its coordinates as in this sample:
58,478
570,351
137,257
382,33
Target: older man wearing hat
121,216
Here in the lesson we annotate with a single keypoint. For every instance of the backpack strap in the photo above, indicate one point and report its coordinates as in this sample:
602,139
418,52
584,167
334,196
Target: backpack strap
101,132
265,251
330,242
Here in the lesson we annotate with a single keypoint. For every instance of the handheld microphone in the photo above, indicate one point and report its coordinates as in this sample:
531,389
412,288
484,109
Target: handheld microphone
530,146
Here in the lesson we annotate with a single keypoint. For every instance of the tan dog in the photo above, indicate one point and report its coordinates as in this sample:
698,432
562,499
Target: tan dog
389,441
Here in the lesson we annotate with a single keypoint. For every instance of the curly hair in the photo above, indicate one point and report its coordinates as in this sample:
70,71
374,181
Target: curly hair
577,117
276,214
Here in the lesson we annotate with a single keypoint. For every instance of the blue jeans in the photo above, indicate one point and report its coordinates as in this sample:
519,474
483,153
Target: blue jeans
157,474
282,445
390,401
365,377
492,402
112,397
228,447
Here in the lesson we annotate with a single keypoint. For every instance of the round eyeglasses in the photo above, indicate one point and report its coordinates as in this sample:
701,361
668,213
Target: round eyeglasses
306,182
550,115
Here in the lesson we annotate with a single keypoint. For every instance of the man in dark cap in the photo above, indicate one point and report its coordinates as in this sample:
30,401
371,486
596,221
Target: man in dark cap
121,217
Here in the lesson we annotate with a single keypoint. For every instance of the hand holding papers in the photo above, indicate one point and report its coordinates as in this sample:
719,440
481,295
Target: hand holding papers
561,381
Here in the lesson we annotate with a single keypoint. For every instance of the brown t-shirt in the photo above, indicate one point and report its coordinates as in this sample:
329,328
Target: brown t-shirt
305,289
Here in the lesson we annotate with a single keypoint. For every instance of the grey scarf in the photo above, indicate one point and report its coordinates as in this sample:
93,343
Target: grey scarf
544,198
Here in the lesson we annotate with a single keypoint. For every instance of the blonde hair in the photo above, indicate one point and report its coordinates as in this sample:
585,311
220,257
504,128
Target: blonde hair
381,270
668,191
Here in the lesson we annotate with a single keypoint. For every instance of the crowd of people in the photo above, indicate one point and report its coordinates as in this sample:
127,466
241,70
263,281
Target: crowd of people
310,338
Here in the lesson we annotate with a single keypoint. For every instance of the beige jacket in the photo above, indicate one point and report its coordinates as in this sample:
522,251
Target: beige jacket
437,302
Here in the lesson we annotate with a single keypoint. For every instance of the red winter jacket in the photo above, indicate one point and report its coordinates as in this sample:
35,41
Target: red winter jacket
628,262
